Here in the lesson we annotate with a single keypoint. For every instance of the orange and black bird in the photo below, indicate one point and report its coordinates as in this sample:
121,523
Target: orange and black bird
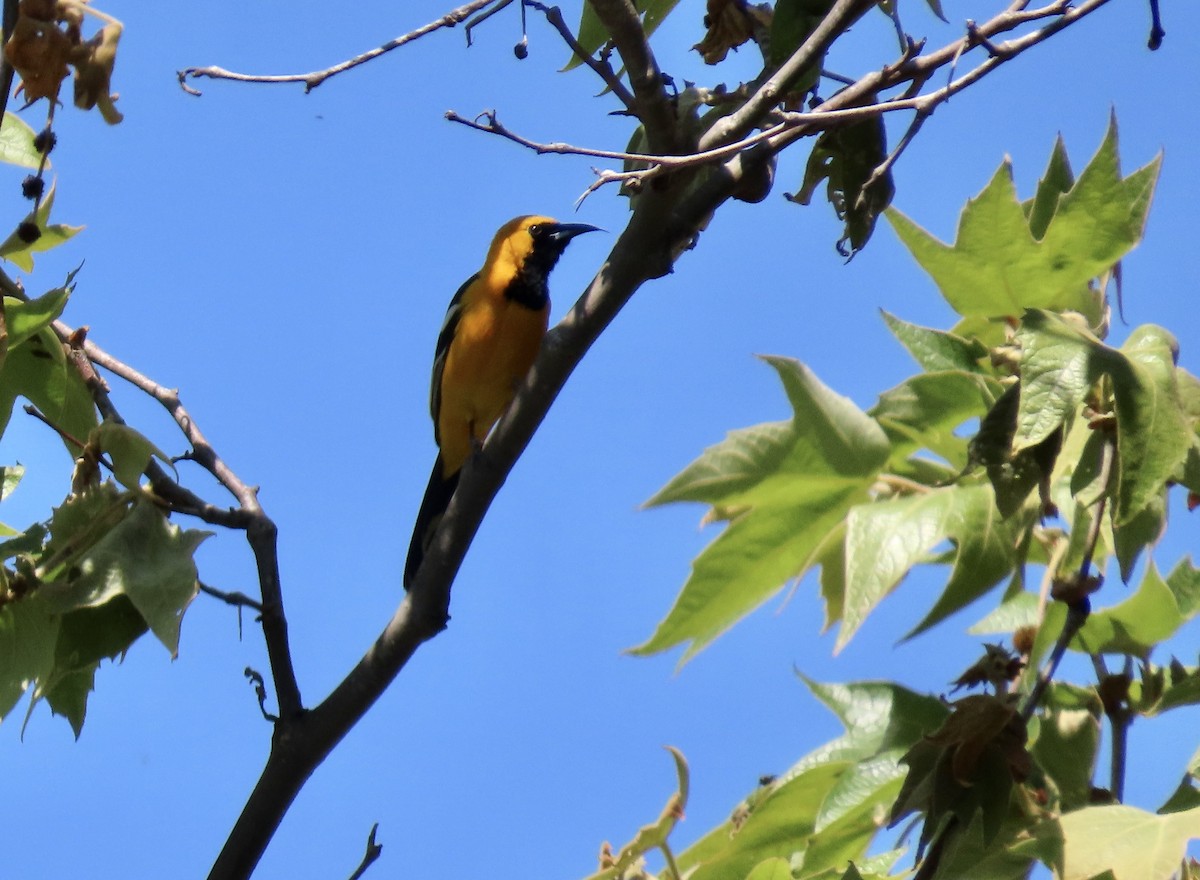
489,340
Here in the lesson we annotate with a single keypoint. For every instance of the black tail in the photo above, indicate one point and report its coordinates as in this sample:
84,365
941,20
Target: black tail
437,498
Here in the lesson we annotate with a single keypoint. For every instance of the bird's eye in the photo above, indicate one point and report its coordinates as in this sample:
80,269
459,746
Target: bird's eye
535,230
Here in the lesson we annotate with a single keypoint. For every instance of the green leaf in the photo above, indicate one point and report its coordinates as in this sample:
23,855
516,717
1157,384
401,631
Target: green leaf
970,855
655,834
775,828
885,540
771,869
937,350
1060,361
878,716
998,267
924,411
1153,435
1131,843
591,34
28,632
129,450
1135,535
847,158
38,371
10,476
69,695
1012,614
143,557
849,816
24,319
1057,179
1184,583
52,235
1068,741
16,143
786,489
1150,616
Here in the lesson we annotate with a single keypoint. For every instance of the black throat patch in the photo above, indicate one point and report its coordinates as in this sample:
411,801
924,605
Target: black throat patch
531,286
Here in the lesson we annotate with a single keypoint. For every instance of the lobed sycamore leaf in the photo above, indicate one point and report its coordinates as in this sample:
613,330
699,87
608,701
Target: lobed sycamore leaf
25,318
38,371
1009,616
143,557
1060,361
789,486
1056,180
16,143
937,350
28,632
1130,843
112,568
129,450
1067,743
924,411
21,252
1154,436
1154,613
776,826
879,716
999,265
885,540
824,810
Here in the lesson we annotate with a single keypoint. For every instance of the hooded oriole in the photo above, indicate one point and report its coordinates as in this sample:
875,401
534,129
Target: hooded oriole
491,335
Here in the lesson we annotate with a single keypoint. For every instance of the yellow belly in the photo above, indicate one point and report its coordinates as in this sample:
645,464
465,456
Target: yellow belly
494,347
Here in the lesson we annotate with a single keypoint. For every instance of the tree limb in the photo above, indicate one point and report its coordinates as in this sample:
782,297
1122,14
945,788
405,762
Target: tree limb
315,78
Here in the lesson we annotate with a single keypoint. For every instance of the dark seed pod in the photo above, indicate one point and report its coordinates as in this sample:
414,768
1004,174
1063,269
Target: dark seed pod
32,187
44,141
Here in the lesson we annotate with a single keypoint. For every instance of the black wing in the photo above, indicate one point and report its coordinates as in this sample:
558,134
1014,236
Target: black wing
449,328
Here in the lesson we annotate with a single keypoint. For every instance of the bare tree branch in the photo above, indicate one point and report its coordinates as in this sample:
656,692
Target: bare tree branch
316,77
374,851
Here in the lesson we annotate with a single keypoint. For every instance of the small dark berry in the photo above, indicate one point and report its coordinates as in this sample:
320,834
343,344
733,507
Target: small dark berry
45,140
521,50
28,232
32,187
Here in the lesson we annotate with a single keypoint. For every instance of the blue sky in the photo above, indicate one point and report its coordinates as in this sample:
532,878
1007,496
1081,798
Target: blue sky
285,260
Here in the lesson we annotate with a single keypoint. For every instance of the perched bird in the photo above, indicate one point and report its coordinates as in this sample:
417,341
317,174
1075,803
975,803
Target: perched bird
489,340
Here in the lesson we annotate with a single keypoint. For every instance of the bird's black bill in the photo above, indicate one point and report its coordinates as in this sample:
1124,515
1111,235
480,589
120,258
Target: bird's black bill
561,233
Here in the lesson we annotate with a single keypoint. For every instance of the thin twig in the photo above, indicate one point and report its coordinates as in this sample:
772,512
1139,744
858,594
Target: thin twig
884,167
602,69
1078,605
482,17
316,77
1156,29
238,600
374,851
841,110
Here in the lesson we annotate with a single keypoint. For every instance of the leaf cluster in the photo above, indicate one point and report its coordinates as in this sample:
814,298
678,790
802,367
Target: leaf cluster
1025,441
